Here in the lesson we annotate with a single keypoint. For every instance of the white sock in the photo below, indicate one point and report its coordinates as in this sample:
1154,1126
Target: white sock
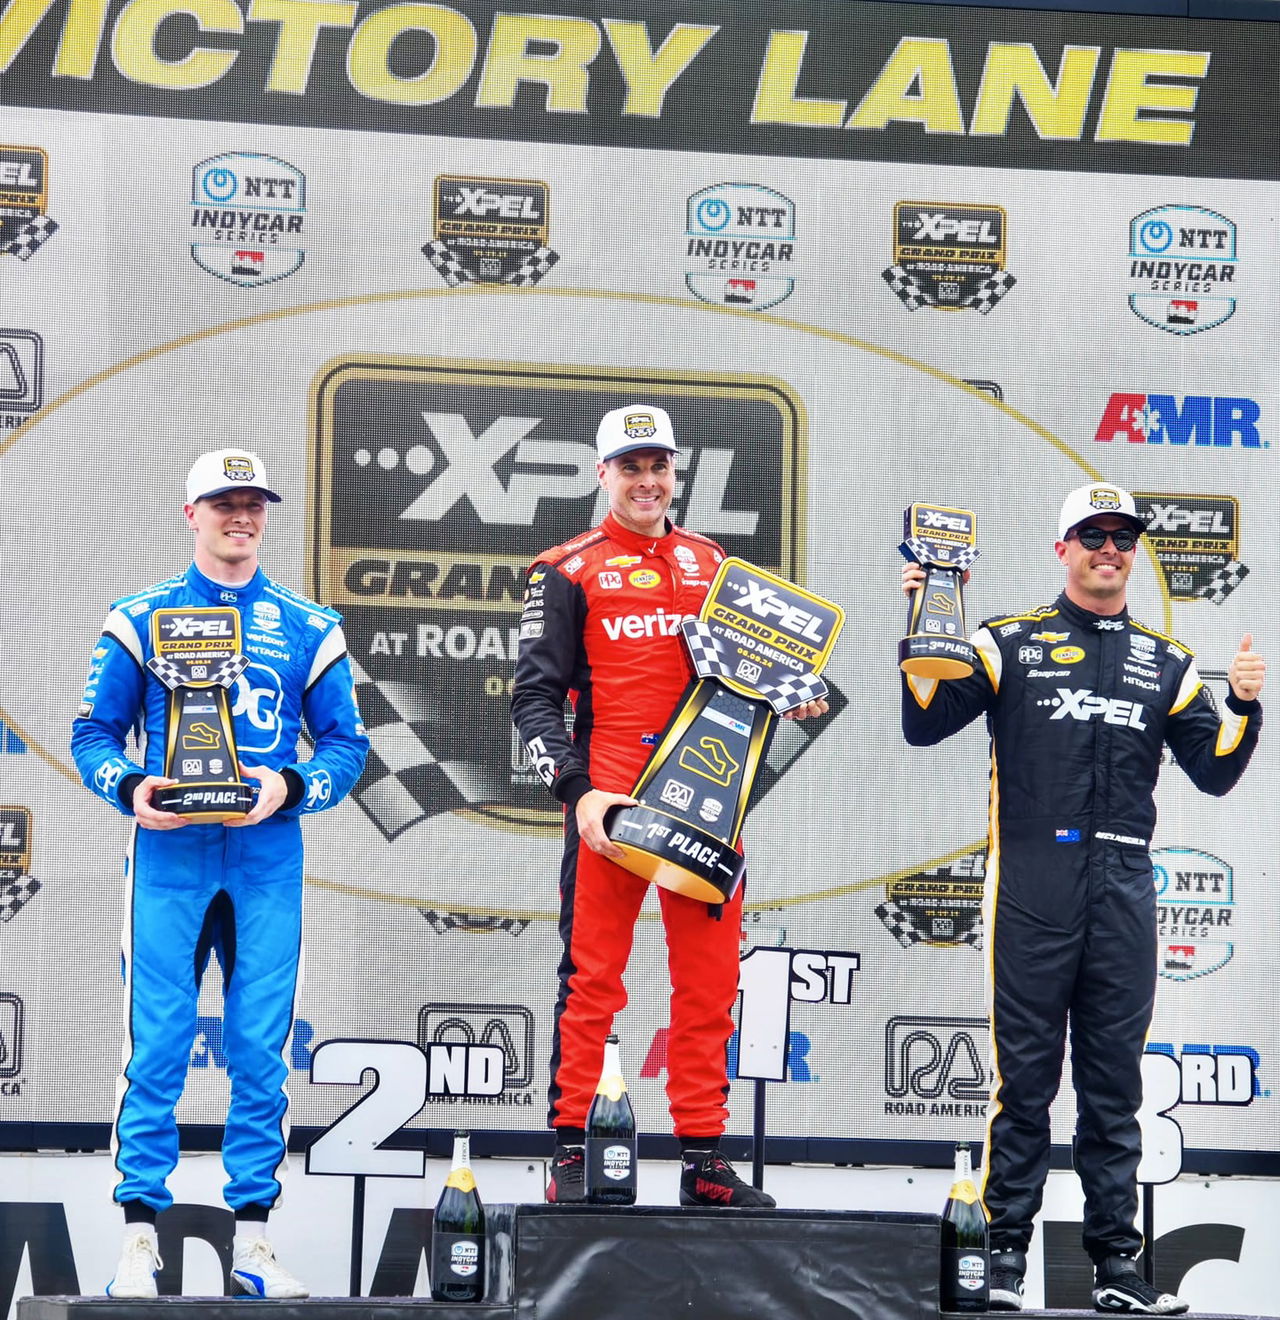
147,1231
248,1229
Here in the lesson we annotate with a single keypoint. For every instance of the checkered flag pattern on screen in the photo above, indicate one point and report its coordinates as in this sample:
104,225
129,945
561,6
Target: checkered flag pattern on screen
31,237
16,894
532,268
907,287
403,782
1224,581
899,925
443,922
451,269
990,291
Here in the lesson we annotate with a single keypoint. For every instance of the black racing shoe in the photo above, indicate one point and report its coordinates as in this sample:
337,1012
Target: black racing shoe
568,1175
707,1178
1005,1283
1119,1287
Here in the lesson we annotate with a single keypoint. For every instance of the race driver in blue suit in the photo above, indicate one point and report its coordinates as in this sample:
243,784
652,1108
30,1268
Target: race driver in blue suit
233,887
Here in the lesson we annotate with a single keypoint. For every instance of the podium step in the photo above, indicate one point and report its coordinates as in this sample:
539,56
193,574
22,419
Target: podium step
659,1263
635,1263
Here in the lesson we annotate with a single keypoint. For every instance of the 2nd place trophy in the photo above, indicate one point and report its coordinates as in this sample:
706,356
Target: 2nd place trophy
196,656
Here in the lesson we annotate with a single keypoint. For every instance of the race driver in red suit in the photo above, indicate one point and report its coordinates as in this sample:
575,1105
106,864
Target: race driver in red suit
601,626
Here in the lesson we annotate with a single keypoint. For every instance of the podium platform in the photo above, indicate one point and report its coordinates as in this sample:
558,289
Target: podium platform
635,1263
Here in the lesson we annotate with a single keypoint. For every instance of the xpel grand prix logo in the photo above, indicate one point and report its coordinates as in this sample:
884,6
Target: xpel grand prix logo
483,467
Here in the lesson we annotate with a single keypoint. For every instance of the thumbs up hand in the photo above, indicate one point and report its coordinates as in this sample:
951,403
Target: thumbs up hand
1247,670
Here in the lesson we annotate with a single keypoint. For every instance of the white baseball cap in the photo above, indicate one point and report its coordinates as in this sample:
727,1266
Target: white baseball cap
637,426
1097,498
227,469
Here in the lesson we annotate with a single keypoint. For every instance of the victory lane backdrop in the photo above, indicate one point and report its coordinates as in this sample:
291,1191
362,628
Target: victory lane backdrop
856,271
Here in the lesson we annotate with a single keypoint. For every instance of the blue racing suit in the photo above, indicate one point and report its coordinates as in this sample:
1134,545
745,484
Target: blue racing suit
204,886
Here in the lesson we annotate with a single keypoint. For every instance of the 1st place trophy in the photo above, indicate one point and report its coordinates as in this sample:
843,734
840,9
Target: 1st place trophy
757,646
941,541
196,656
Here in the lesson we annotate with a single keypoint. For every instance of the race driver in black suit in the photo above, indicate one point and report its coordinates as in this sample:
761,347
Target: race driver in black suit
1080,699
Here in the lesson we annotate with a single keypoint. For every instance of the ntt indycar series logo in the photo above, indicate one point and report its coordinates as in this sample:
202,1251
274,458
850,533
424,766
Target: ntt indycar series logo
740,245
1183,268
1195,909
247,213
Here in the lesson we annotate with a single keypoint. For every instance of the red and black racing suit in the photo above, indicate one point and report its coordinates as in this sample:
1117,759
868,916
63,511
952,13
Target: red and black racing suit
601,626
1079,706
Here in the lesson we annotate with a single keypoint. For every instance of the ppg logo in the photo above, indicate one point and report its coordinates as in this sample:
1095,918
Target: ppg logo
507,1026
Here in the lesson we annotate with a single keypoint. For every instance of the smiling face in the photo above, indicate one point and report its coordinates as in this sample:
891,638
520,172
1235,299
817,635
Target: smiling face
228,531
1097,579
640,486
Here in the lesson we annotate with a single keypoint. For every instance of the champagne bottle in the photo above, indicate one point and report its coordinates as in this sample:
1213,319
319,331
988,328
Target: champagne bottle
457,1232
611,1135
965,1256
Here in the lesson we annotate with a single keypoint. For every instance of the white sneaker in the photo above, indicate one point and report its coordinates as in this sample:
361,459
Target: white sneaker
255,1272
136,1272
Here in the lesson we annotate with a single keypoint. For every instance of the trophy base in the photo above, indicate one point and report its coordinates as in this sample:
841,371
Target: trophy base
928,655
205,803
676,855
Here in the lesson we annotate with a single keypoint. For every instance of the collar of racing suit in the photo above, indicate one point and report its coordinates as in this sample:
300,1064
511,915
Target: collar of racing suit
629,540
219,594
1083,618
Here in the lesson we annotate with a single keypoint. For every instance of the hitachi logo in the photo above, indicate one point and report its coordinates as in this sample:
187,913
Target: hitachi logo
659,624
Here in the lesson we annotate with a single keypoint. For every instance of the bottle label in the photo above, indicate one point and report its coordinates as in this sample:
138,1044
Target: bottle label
964,1191
964,1278
457,1264
611,1169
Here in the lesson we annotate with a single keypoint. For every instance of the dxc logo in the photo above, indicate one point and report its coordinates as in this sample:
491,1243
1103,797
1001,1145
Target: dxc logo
207,1049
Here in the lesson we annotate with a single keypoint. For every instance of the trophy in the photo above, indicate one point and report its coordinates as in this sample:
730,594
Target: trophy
757,646
196,656
941,541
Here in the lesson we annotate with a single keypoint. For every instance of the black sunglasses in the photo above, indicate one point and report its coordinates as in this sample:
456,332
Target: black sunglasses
1094,538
